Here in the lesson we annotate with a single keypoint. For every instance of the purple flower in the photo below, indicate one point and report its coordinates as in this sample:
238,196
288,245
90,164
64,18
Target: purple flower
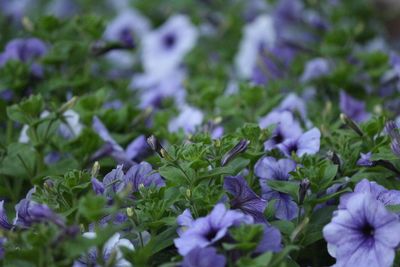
25,50
269,168
208,230
286,128
244,198
315,68
387,197
138,175
3,218
271,240
353,108
165,48
307,143
293,103
185,220
203,257
365,160
363,233
188,120
393,130
136,150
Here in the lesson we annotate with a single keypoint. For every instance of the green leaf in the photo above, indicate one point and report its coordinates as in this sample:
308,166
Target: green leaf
26,111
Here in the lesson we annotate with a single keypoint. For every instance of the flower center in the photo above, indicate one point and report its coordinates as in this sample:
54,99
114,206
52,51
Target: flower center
169,40
368,230
211,234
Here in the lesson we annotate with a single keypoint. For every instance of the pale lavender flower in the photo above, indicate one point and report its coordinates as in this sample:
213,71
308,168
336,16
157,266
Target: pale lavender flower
259,33
307,143
387,197
185,221
295,104
62,8
268,168
208,230
353,108
203,257
365,160
271,240
3,218
165,48
71,127
111,247
363,233
27,51
244,198
188,120
315,68
286,128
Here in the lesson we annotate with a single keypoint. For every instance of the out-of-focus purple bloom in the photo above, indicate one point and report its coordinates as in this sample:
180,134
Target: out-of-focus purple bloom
271,240
15,9
6,95
27,51
365,160
153,89
127,27
136,150
115,104
387,197
62,8
3,218
244,198
286,128
185,220
259,33
111,247
72,127
29,212
307,143
268,168
97,186
363,233
353,108
165,48
393,130
207,230
294,103
315,68
52,157
188,120
203,257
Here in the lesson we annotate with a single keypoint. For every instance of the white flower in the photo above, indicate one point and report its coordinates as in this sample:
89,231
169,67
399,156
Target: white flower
165,48
73,127
259,33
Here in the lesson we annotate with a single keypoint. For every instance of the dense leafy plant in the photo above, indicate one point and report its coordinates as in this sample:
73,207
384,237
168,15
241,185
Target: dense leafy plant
198,133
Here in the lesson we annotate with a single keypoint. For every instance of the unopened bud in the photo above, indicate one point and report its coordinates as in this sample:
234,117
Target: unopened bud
95,169
68,105
350,123
188,193
129,212
27,23
155,145
239,148
48,184
303,188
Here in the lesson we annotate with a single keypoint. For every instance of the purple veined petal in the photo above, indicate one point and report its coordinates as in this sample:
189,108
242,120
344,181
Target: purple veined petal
286,208
271,240
270,168
142,174
113,181
203,257
3,217
244,198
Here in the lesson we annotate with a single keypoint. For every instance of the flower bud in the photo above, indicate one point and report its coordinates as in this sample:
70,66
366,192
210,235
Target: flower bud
239,148
350,123
303,188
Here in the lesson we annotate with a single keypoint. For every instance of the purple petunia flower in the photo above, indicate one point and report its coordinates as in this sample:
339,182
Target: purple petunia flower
208,230
268,168
138,175
315,68
353,108
27,51
244,198
387,197
185,220
136,150
165,48
203,257
307,143
365,160
271,240
3,218
286,128
363,233
294,104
